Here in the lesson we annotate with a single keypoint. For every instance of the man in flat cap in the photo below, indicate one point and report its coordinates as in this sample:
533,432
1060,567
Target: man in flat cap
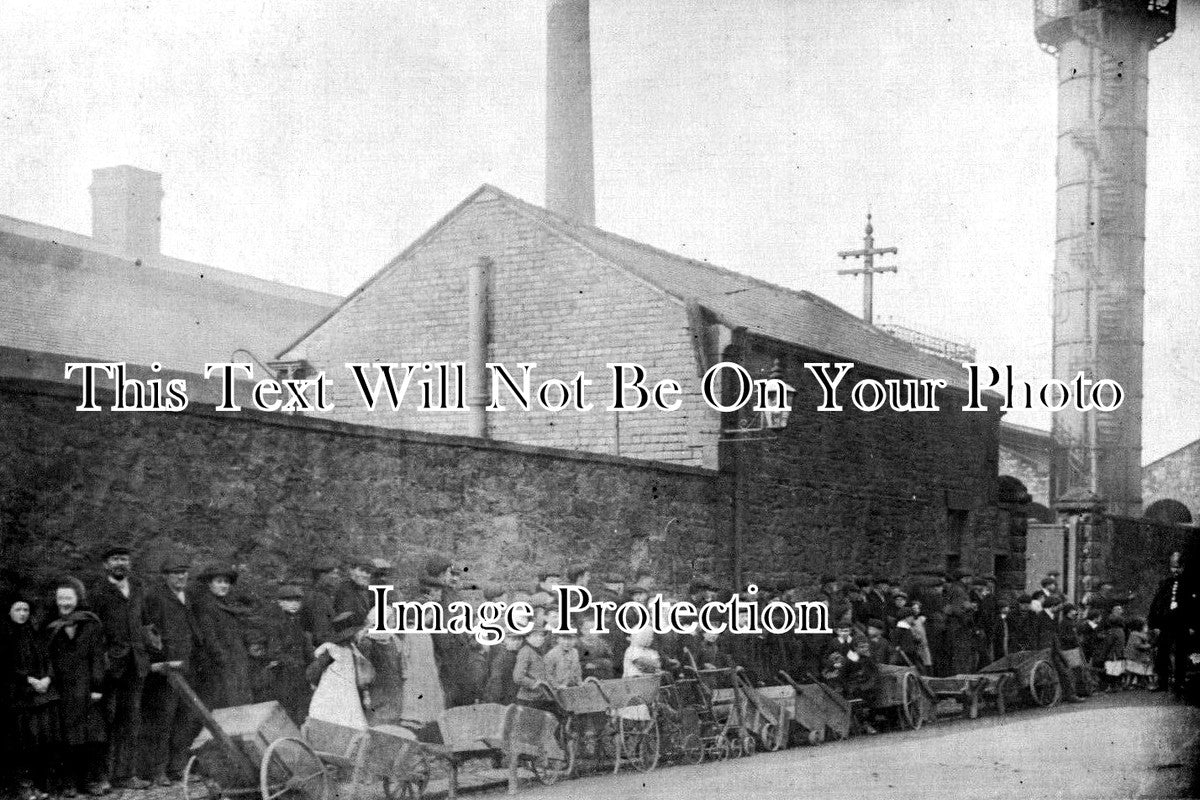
353,595
960,625
459,663
878,599
168,724
316,611
119,601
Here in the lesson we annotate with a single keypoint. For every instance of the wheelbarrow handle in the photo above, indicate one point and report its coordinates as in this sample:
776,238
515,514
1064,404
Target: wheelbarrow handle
241,762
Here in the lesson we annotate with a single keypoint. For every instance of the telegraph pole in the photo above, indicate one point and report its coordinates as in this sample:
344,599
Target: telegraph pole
868,270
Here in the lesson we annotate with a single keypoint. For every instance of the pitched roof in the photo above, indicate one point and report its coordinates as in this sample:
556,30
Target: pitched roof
785,315
66,294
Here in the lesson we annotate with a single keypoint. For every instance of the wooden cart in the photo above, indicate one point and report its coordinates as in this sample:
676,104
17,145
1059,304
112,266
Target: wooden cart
972,692
819,711
1034,677
767,712
522,736
901,694
257,749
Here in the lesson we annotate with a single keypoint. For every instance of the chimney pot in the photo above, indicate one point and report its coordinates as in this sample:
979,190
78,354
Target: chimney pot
127,210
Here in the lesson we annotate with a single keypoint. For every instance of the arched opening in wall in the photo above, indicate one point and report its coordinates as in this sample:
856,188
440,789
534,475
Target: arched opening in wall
1169,512
1012,492
1040,513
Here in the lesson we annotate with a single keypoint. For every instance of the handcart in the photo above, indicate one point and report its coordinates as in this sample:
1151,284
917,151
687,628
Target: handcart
971,691
1034,676
818,711
764,711
902,695
257,748
524,736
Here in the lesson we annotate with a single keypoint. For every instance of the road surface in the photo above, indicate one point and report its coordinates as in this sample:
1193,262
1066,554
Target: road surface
1127,745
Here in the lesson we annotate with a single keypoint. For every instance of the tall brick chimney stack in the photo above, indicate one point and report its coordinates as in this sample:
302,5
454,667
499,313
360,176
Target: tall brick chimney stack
570,180
127,209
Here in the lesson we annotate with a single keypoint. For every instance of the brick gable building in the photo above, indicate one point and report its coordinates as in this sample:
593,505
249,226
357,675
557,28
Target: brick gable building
834,491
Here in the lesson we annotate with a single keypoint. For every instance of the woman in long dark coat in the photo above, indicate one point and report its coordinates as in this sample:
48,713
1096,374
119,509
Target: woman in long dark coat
75,644
31,699
223,660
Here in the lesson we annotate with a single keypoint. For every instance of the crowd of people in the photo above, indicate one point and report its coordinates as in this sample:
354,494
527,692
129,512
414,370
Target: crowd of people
89,706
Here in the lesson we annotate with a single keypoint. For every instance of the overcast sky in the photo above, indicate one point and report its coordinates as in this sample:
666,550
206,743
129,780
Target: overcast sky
308,142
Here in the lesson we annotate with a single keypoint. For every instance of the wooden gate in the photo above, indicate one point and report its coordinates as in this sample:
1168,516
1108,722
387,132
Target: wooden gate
1050,548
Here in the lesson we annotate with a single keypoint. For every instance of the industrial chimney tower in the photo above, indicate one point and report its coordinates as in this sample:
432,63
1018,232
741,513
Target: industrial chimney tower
1103,49
570,182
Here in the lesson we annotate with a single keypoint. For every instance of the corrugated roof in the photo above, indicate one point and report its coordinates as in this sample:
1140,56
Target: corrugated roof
786,315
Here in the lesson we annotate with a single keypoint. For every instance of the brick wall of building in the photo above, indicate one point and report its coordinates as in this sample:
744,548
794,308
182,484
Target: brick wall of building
552,303
1174,477
891,491
272,491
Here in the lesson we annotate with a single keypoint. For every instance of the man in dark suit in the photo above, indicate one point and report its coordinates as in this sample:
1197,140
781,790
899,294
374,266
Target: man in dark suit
353,595
316,614
1168,619
168,724
119,602
879,598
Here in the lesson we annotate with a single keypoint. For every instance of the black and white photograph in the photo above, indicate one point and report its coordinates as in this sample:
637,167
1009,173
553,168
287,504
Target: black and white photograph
648,399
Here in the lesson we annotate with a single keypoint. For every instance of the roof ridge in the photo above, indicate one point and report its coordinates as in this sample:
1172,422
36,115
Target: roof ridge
568,223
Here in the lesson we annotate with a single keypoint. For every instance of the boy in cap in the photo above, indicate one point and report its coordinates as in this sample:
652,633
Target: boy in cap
904,640
562,661
529,672
119,602
882,650
289,652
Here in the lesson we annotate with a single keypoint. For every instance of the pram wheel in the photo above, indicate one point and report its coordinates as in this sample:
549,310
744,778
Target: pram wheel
691,749
746,745
722,748
646,749
550,769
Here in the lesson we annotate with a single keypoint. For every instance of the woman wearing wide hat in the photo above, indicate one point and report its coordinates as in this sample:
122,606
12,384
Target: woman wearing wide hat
223,660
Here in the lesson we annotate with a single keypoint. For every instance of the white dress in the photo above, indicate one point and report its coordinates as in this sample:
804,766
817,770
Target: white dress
633,654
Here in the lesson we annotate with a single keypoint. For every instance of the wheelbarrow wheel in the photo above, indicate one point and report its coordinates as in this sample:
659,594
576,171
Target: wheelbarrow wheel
816,737
771,740
912,710
197,786
1044,686
291,769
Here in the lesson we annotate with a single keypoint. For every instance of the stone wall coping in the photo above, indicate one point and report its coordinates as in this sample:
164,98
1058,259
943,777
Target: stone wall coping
71,392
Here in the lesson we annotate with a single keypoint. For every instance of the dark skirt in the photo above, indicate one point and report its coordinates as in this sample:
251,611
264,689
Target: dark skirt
33,729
